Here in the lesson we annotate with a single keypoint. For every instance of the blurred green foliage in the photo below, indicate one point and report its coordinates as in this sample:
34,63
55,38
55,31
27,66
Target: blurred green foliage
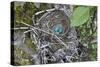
87,33
80,16
24,13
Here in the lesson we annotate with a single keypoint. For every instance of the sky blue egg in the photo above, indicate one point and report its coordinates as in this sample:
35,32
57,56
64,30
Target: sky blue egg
58,29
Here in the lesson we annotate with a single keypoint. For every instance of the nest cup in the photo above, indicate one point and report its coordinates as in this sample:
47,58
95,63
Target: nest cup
59,22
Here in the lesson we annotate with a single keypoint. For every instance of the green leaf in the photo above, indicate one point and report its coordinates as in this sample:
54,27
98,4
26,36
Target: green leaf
80,16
